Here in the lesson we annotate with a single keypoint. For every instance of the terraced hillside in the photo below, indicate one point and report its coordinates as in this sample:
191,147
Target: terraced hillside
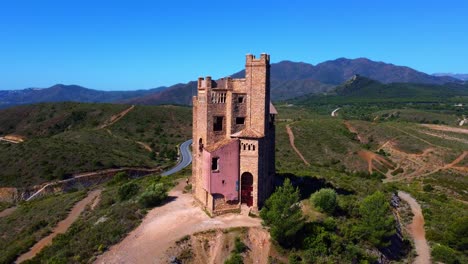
62,139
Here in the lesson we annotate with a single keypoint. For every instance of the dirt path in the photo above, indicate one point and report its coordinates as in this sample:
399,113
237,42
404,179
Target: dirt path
446,128
291,141
145,146
354,131
7,211
116,117
370,157
62,226
416,229
164,225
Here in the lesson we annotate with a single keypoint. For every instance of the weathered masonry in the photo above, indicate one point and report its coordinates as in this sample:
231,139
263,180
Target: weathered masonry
234,139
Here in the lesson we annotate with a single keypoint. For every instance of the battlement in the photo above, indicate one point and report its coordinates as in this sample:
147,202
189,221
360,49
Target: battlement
204,83
251,59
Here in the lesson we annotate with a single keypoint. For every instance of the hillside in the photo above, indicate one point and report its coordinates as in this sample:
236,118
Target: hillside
61,139
63,93
359,86
362,89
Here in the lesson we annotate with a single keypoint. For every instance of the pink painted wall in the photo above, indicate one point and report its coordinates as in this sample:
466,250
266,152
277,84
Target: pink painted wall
224,181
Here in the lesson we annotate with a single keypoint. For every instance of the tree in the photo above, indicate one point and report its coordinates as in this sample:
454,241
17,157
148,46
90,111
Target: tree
325,200
377,224
283,214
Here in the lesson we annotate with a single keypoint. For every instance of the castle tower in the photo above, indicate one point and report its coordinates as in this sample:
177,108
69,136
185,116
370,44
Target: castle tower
233,139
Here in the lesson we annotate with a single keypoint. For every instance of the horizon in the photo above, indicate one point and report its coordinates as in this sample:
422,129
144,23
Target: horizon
114,46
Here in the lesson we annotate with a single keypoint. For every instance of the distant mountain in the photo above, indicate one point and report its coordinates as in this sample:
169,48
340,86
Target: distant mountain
359,86
288,80
463,77
294,79
180,94
61,93
338,71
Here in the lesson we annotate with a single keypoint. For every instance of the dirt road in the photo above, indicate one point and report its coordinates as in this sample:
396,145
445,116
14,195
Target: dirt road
7,211
291,141
416,229
62,226
164,225
116,117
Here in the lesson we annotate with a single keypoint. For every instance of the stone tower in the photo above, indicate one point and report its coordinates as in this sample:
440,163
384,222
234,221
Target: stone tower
234,139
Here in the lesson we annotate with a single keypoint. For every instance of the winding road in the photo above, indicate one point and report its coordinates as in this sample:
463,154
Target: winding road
333,113
186,158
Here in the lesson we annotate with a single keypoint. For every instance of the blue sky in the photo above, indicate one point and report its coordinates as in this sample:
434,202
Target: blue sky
119,45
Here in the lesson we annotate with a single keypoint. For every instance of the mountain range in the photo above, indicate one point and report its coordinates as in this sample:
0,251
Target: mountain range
463,77
288,80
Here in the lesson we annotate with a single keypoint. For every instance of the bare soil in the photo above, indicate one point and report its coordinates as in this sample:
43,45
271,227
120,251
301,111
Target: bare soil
7,211
446,128
416,230
165,225
291,141
62,226
373,160
116,117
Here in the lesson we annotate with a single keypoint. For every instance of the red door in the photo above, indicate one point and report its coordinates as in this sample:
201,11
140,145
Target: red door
247,188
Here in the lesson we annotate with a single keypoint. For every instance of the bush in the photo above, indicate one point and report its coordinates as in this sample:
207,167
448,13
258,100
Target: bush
128,190
428,188
325,200
458,234
239,246
153,196
235,258
445,254
119,177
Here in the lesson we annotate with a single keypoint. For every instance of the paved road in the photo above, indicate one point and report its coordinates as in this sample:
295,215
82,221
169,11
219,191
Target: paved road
333,113
185,161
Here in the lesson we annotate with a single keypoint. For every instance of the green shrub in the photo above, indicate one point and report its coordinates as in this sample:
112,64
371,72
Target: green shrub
294,258
445,254
118,178
325,200
458,234
235,258
428,188
153,196
128,190
239,246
